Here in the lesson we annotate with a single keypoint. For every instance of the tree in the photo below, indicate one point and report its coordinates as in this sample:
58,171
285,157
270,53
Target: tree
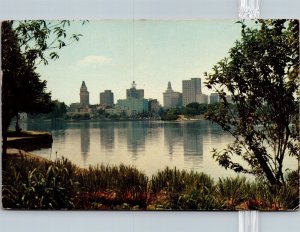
59,110
22,90
24,44
261,74
39,40
192,109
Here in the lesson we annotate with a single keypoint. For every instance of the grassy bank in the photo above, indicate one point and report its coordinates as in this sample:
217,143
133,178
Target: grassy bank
31,183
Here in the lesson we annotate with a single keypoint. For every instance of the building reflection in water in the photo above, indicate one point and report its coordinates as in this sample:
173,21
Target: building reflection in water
107,137
173,134
85,141
186,137
136,138
193,145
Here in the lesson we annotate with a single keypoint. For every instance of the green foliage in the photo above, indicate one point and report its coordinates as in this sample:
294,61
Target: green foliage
195,108
234,191
186,190
170,114
30,183
59,110
22,90
191,109
81,116
127,183
122,179
261,74
47,186
114,116
23,43
39,40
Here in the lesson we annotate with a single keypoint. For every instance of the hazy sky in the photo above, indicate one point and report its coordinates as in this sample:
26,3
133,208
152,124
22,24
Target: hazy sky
113,53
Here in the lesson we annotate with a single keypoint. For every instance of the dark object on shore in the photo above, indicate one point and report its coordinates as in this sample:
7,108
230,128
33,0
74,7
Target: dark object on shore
29,140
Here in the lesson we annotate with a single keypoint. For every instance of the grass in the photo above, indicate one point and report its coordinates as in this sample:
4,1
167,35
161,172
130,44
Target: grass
31,183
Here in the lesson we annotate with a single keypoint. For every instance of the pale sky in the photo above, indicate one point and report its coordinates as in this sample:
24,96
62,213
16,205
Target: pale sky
113,53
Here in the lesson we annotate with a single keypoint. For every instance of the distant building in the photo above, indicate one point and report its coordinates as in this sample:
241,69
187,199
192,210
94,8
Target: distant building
190,89
153,105
133,92
74,107
202,98
107,98
84,95
172,99
132,106
214,98
83,107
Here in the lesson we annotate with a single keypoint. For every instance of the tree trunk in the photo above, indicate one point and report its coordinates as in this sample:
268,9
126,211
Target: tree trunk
265,167
4,152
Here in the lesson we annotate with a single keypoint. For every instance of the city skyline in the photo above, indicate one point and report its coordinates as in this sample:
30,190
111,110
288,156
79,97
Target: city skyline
113,53
108,96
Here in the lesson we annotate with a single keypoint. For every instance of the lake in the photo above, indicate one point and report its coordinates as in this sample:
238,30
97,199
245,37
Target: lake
148,145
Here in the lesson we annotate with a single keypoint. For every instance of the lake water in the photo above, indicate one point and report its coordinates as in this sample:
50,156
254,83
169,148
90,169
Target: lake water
148,145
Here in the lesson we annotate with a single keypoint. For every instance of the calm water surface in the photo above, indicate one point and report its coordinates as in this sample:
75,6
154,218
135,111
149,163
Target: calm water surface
148,145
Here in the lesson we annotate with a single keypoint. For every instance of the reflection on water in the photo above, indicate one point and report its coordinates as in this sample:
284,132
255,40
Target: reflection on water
107,137
193,146
85,142
149,146
136,138
173,137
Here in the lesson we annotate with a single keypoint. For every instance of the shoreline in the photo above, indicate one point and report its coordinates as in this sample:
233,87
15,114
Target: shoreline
180,119
29,140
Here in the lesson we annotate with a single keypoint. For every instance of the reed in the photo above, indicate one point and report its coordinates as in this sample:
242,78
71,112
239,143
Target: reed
186,190
31,183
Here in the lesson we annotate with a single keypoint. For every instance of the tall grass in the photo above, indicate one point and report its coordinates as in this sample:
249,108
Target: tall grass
186,190
124,186
31,183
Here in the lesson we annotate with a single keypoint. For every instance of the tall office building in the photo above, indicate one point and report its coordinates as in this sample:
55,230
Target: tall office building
172,99
190,89
107,98
133,92
84,95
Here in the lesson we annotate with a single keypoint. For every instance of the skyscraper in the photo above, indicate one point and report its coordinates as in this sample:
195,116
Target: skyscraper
133,92
190,89
172,99
107,98
84,95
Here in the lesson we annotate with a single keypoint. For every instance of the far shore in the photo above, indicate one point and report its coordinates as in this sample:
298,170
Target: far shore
181,118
